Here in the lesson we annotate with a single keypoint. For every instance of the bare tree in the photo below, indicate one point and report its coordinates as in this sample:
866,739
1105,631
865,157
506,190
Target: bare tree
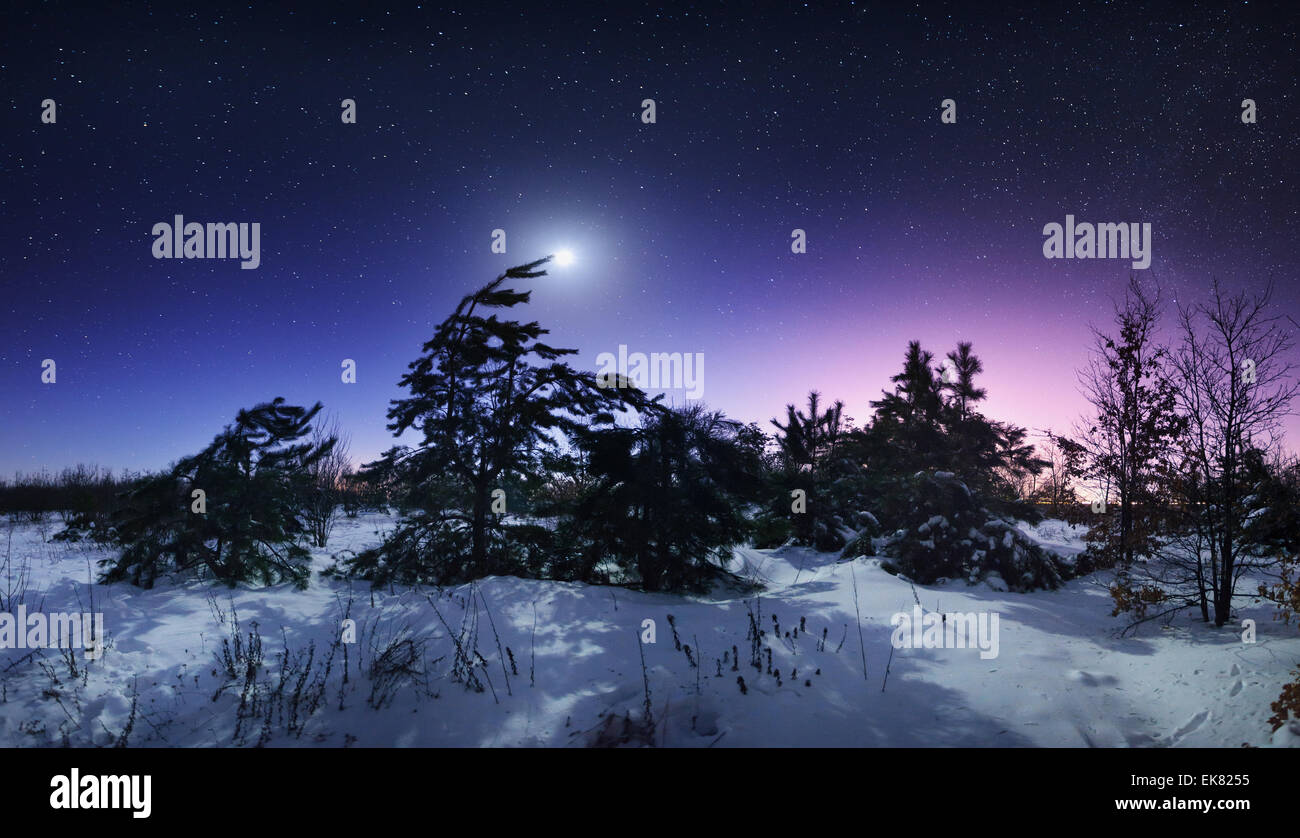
1234,386
1135,424
321,506
1057,487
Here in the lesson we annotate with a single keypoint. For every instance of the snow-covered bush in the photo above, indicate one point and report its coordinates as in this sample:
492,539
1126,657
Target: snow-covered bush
943,531
863,543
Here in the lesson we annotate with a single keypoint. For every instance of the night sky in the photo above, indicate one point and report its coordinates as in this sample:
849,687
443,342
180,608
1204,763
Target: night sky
769,117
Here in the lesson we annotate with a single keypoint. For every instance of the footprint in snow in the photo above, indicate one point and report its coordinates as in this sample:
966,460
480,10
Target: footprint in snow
1088,679
1192,724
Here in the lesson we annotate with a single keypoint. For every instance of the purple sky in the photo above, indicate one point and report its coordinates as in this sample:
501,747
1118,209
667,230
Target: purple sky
822,120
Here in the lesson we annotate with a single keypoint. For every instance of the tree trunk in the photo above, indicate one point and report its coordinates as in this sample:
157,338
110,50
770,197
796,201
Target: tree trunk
1125,529
478,532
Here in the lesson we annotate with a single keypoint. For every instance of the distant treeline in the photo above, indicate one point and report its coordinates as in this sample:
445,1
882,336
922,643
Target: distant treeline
96,493
91,490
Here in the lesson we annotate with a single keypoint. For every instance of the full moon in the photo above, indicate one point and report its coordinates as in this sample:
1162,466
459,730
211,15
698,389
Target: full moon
564,258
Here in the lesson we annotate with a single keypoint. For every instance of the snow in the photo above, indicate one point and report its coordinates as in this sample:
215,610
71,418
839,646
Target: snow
935,521
1063,676
1058,537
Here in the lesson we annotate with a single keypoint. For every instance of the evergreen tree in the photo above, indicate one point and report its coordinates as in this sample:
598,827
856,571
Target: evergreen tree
906,431
808,439
490,399
965,366
929,423
941,477
254,477
989,456
667,501
815,458
1014,459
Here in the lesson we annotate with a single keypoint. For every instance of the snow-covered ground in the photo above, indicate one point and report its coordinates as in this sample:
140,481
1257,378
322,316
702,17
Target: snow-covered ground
1062,677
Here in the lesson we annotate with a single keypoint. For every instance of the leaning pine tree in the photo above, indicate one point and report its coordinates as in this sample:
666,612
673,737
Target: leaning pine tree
491,400
232,512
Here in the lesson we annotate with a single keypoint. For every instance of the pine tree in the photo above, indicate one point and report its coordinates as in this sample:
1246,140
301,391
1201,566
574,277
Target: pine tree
973,447
941,475
815,458
667,498
254,477
808,439
906,429
490,399
965,366
931,422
